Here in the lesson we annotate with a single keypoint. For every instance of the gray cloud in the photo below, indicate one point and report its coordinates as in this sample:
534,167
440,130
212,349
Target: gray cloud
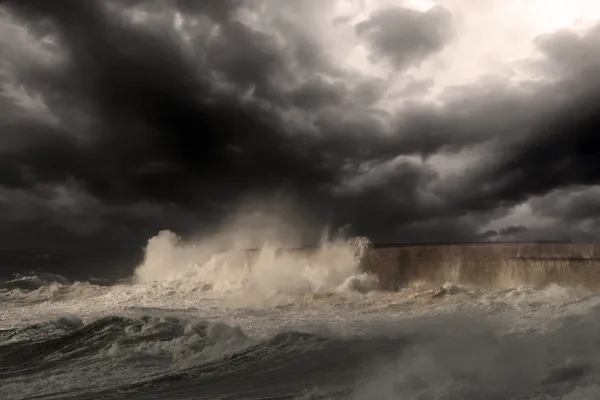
576,204
569,53
316,94
406,36
504,234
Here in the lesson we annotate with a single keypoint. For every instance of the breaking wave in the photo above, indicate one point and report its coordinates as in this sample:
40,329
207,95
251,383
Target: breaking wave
449,357
262,272
198,322
199,357
33,281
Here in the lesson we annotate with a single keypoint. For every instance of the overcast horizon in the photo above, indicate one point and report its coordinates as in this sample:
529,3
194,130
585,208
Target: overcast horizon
404,121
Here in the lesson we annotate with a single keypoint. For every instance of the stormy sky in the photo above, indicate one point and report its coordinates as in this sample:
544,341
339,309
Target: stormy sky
420,121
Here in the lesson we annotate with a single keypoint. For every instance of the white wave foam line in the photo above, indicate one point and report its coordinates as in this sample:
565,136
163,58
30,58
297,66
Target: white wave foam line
520,307
198,340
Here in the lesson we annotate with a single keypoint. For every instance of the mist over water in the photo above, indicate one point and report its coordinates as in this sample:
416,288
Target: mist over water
204,318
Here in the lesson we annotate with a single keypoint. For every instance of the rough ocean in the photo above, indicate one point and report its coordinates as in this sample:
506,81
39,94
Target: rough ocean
190,324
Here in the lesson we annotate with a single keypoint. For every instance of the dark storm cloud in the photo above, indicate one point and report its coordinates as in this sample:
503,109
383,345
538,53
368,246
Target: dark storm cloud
574,204
152,127
150,107
559,147
218,10
139,130
406,36
245,57
539,138
505,233
316,94
390,193
435,230
566,214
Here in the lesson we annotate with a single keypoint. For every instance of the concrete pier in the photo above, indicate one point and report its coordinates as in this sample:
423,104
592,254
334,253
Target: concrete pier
486,265
490,265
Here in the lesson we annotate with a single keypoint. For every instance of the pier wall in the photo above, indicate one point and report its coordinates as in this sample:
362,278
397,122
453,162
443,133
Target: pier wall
488,265
494,265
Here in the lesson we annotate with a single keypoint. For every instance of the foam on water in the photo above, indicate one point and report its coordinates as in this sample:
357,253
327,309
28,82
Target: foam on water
465,344
198,322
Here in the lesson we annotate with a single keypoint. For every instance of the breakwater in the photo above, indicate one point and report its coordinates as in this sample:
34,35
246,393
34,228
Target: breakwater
488,265
492,265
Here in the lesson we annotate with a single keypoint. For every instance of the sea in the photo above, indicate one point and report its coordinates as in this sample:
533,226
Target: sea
189,322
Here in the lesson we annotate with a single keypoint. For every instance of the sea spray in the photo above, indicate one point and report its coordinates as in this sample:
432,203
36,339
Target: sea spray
333,266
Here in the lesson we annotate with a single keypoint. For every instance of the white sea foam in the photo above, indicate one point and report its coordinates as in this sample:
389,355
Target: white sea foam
262,273
467,343
191,303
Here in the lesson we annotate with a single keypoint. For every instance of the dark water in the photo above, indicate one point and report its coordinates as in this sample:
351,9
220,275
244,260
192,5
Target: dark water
285,366
75,264
64,335
169,358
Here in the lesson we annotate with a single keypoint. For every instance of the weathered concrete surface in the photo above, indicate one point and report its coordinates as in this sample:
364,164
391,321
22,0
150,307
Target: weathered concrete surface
494,265
488,265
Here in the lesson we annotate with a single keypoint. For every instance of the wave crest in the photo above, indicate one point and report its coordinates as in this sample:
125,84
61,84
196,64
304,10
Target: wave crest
334,266
33,281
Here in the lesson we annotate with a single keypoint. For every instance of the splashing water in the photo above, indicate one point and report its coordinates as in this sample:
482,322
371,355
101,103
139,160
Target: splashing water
196,321
262,272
